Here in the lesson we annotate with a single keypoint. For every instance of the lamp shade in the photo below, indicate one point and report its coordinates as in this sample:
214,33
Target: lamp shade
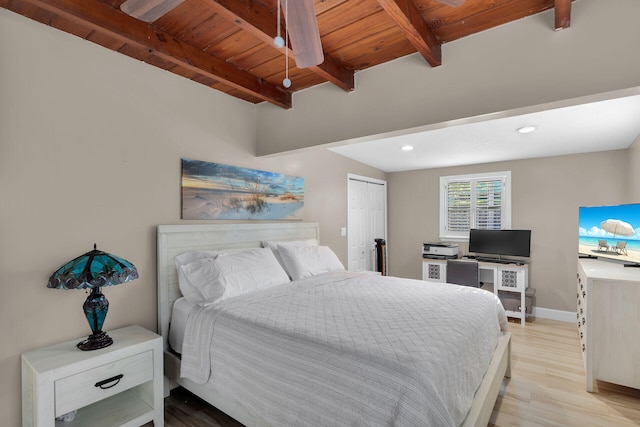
93,270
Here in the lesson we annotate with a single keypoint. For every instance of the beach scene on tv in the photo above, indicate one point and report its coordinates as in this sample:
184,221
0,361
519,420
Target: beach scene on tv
610,232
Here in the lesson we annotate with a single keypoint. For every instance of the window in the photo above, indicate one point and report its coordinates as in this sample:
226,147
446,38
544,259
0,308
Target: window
474,201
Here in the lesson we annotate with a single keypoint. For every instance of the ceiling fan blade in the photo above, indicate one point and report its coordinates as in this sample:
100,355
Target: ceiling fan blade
148,10
304,34
453,3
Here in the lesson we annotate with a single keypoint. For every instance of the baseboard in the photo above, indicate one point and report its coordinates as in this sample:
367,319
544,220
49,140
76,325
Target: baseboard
549,313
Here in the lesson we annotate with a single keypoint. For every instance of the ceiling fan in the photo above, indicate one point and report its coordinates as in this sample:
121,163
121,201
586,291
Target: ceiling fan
302,27
301,24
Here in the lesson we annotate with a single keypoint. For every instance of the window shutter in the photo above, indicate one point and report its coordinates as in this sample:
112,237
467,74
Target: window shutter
488,206
459,206
474,201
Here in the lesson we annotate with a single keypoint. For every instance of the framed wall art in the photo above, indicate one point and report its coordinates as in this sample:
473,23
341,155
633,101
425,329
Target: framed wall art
213,191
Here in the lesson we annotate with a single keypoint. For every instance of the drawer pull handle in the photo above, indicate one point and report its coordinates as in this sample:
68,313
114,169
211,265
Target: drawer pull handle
115,380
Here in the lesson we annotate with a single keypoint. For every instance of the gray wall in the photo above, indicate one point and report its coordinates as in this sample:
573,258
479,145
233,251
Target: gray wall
546,194
633,175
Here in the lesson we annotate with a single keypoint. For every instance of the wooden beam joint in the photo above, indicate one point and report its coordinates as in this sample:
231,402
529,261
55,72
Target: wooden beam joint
409,19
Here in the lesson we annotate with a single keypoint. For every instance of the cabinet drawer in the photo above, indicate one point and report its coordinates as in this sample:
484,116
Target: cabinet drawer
82,389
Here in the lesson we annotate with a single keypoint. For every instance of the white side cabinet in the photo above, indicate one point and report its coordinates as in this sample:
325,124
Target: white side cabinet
609,322
120,385
512,281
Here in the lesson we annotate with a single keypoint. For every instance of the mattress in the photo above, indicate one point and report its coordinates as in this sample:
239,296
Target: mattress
347,349
179,315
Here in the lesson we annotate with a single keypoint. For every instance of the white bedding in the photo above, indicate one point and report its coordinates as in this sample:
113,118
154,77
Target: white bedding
347,349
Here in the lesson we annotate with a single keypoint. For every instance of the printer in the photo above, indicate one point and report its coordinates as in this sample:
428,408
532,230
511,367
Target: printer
440,250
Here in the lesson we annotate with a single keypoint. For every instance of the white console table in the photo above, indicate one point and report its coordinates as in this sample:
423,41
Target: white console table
503,277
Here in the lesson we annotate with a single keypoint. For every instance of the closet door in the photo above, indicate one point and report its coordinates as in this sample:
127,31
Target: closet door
367,211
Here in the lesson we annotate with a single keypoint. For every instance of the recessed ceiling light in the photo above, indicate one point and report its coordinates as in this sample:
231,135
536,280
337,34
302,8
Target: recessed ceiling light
406,147
526,129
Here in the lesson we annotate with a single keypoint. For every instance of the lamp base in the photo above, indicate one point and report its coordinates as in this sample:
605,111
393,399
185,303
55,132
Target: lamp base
95,308
95,341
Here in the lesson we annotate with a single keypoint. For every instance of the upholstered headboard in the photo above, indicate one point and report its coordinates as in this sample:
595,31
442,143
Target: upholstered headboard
176,239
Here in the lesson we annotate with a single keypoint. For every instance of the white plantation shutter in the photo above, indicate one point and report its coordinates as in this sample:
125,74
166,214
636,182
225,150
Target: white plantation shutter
459,206
474,201
488,200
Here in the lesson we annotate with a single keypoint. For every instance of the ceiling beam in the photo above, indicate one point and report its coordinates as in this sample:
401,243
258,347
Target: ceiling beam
260,22
104,19
563,14
409,19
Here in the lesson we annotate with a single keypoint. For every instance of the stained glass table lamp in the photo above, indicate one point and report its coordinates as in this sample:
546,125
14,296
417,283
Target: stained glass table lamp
94,270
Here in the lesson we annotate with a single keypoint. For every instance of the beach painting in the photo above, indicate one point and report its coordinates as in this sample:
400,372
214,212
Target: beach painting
215,191
610,232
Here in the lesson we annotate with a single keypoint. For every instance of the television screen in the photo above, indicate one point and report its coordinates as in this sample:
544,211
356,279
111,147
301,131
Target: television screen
500,242
611,232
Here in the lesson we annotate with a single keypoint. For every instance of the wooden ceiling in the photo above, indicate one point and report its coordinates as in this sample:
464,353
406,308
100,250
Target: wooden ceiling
228,44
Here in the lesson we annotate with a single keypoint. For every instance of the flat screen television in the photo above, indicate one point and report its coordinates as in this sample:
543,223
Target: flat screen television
500,242
610,232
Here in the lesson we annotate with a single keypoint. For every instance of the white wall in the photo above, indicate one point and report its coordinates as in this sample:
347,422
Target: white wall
90,148
519,64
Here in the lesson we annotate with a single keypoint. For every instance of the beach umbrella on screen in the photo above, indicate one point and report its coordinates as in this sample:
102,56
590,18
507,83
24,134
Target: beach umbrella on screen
617,227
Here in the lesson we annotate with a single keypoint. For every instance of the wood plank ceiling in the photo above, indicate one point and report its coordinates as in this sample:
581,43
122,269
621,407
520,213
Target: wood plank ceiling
228,44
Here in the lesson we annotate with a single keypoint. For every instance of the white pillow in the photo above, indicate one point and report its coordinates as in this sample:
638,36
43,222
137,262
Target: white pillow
249,271
194,277
305,261
191,256
273,245
231,274
187,287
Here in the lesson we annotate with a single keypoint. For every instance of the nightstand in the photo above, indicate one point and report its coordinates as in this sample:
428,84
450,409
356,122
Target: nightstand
120,385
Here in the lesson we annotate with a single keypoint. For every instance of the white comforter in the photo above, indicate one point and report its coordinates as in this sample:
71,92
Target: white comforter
346,349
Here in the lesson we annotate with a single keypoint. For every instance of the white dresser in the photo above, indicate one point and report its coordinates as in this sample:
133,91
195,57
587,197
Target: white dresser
120,385
609,322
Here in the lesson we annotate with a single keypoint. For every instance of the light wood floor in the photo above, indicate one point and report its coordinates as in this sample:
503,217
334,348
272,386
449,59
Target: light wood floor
546,388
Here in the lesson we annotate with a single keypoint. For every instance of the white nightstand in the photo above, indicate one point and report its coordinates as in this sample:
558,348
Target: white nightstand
120,385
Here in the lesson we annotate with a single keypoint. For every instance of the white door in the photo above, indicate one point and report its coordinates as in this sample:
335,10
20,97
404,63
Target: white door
367,220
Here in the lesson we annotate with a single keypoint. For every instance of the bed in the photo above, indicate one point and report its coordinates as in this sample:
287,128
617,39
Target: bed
392,379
